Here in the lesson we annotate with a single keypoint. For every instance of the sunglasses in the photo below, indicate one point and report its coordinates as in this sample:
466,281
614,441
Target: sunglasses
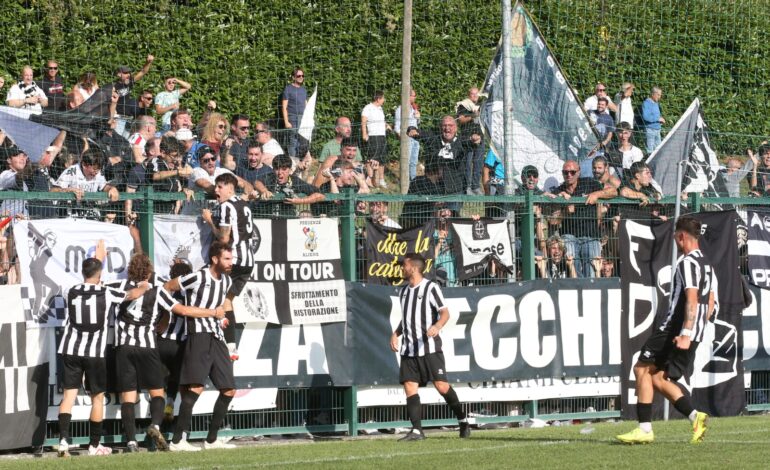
569,172
148,98
244,128
299,76
53,68
221,126
206,160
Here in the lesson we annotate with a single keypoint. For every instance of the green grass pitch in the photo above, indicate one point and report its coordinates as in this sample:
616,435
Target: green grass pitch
730,443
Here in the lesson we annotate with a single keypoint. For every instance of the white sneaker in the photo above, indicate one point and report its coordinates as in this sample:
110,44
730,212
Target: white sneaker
99,450
217,445
63,449
183,446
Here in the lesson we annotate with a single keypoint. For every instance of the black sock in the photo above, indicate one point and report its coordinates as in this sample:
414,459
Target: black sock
64,426
96,433
230,330
128,417
185,414
684,406
218,416
644,412
454,403
414,411
157,404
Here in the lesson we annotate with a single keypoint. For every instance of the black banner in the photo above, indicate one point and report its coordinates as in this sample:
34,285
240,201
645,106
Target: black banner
716,384
755,331
517,331
758,225
386,247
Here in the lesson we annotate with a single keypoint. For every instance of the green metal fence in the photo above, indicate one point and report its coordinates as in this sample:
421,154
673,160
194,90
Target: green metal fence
333,409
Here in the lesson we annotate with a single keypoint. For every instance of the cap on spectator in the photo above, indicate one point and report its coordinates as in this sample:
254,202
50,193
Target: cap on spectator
529,170
8,152
203,150
282,161
184,134
124,69
349,142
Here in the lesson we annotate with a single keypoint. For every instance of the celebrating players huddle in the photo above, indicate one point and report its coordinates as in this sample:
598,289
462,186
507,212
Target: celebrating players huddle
170,337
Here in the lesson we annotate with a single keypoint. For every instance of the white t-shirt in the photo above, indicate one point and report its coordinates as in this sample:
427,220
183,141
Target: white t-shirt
632,156
375,119
273,148
15,93
167,98
200,173
626,113
10,206
73,177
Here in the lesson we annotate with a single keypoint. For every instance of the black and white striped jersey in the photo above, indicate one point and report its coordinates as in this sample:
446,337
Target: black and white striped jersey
236,214
420,306
177,326
89,308
693,271
137,319
202,290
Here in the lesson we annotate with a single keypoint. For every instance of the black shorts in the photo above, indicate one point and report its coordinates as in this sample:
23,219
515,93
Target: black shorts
240,275
206,357
377,148
94,369
659,350
138,369
423,369
171,352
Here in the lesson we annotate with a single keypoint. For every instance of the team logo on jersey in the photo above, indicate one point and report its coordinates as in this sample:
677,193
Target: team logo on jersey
311,240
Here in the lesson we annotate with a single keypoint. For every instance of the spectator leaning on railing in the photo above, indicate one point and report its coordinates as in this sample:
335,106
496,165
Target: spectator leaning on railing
556,265
281,182
640,188
167,175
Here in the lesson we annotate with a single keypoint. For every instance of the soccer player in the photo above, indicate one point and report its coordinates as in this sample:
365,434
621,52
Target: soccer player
137,359
83,345
235,228
171,341
669,352
205,352
423,315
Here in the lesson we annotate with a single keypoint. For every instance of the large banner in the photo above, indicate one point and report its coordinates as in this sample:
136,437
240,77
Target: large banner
522,331
479,243
758,225
755,331
386,247
549,121
716,384
688,141
297,276
51,253
24,367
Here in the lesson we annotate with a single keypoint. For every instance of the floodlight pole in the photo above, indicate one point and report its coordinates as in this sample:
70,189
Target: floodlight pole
406,87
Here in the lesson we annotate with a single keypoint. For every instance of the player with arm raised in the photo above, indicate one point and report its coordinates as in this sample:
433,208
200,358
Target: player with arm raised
669,352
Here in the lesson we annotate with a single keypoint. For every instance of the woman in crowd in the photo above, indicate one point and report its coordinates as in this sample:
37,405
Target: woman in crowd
84,89
215,132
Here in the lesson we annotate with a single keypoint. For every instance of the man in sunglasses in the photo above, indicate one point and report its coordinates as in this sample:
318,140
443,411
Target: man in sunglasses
127,105
203,178
270,147
53,87
591,103
580,224
238,141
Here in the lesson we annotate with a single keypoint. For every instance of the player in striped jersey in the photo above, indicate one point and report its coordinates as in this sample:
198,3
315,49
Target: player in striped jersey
171,341
137,359
83,345
205,352
424,313
668,353
235,228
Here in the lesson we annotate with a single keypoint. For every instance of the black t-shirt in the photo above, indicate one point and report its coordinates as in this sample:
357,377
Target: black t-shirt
167,185
127,105
54,91
448,155
472,127
636,212
583,222
555,270
416,213
292,188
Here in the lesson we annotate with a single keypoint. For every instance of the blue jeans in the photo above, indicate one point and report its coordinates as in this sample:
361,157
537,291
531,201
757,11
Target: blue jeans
653,139
293,143
474,161
584,250
414,156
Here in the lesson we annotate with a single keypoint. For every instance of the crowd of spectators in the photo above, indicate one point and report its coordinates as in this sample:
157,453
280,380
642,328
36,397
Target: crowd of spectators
152,140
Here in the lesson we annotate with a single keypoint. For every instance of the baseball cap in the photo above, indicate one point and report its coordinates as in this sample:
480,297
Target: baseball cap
184,134
529,170
124,69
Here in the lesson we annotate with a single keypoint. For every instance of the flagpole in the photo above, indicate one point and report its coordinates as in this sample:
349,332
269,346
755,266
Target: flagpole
677,211
510,171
